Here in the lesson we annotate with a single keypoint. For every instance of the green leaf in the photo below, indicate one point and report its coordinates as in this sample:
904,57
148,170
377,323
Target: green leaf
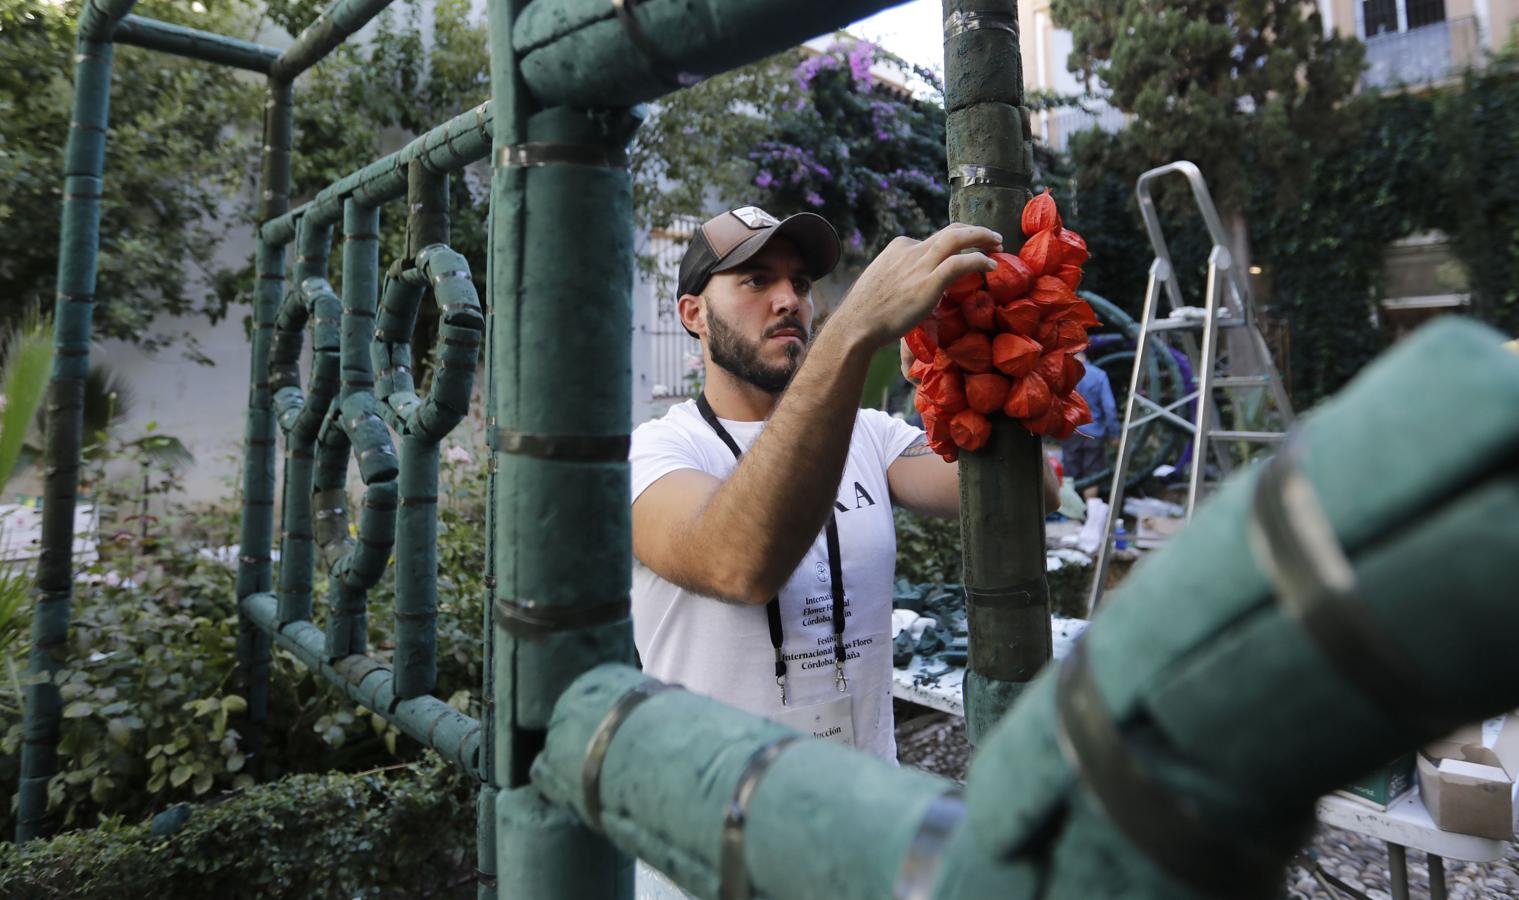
181,774
235,762
203,781
234,704
78,709
119,732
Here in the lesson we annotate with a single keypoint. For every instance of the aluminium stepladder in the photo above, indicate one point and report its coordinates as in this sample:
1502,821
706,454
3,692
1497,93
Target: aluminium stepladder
1246,363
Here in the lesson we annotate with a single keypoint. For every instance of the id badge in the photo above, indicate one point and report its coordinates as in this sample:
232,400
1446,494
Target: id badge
831,720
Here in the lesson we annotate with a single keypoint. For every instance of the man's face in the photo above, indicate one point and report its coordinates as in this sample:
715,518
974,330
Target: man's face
759,317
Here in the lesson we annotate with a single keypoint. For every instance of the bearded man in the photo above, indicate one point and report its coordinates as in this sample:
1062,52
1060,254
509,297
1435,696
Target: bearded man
762,526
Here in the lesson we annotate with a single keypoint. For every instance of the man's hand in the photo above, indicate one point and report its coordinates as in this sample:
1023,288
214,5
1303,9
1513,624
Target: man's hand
899,288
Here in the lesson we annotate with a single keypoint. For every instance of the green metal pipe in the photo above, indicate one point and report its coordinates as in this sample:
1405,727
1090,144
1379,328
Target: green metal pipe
428,720
274,177
337,21
486,844
78,247
450,147
194,44
98,18
294,410
1001,485
824,821
579,53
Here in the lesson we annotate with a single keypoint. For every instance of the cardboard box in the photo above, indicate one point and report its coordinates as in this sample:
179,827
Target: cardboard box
1384,785
1467,778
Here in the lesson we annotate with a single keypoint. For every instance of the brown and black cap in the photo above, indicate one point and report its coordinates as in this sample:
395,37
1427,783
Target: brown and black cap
729,240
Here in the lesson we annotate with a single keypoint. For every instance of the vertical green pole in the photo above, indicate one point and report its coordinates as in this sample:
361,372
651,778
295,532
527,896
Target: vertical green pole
297,540
416,663
254,568
485,806
1001,485
78,247
560,298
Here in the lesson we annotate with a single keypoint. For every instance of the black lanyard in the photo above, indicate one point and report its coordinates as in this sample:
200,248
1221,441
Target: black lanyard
773,608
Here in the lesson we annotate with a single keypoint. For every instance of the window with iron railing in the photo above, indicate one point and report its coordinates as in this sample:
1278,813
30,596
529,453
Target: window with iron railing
1393,16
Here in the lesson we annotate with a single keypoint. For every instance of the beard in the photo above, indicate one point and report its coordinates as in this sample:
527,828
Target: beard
741,358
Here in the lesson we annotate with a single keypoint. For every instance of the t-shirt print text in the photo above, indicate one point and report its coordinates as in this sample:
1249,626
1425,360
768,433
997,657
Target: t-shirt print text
862,498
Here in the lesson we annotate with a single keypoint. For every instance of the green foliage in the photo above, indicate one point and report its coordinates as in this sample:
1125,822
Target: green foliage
27,360
150,710
1211,82
928,549
405,832
797,133
172,167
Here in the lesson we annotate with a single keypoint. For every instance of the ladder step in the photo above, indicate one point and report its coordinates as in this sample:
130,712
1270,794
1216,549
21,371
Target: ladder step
1242,381
1190,323
1263,437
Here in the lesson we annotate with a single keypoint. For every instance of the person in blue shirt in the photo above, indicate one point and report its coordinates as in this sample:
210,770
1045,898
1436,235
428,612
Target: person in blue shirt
1084,453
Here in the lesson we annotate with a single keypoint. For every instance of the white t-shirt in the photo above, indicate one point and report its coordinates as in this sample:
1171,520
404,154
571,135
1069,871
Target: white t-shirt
723,649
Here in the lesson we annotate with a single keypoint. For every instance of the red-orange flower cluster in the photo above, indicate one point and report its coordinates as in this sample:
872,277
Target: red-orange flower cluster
1005,342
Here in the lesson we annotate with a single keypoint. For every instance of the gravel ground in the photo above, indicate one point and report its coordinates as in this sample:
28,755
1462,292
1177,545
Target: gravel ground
936,742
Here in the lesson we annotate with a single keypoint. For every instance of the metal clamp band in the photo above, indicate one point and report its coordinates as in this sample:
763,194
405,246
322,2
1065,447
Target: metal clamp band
957,23
593,448
658,64
601,740
733,878
1166,828
916,879
532,619
1295,544
967,176
537,154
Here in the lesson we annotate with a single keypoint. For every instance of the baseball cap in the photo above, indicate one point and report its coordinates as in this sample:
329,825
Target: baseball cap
729,240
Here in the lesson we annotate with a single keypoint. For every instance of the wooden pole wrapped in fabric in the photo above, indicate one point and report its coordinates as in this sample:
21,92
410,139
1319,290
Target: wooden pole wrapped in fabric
254,566
194,44
727,803
1001,485
1250,678
594,53
560,301
78,249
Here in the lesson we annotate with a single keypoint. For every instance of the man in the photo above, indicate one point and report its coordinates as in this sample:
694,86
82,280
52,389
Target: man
762,518
1083,453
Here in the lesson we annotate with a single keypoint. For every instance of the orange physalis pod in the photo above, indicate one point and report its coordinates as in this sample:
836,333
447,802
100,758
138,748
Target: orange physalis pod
1048,423
1072,247
921,344
1075,410
945,390
1048,290
1083,315
1070,337
973,352
936,427
1041,253
1040,213
919,370
1014,354
941,362
1010,279
1018,317
964,286
978,311
970,429
1069,274
986,393
1029,397
1051,367
949,328
1071,371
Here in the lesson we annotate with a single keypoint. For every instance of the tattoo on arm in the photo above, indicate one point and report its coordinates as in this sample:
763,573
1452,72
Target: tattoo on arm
919,448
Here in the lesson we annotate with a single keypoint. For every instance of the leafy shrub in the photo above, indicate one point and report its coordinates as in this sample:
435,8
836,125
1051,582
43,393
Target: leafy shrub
406,832
150,705
928,549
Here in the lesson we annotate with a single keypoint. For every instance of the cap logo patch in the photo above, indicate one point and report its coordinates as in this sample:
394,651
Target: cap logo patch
755,218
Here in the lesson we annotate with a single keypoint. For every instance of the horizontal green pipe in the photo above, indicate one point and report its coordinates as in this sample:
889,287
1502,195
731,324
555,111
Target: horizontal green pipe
194,44
825,820
319,38
451,146
98,18
577,52
429,720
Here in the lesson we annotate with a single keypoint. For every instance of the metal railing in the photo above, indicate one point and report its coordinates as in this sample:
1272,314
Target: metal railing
1428,54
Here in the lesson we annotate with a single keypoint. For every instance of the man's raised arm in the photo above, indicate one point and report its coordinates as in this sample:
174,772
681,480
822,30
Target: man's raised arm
741,539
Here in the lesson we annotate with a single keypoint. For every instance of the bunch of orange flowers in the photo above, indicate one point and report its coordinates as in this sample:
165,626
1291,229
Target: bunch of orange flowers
1006,342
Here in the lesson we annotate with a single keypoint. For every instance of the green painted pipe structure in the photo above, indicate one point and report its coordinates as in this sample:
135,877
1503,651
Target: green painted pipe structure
1238,674
990,155
1185,741
192,43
